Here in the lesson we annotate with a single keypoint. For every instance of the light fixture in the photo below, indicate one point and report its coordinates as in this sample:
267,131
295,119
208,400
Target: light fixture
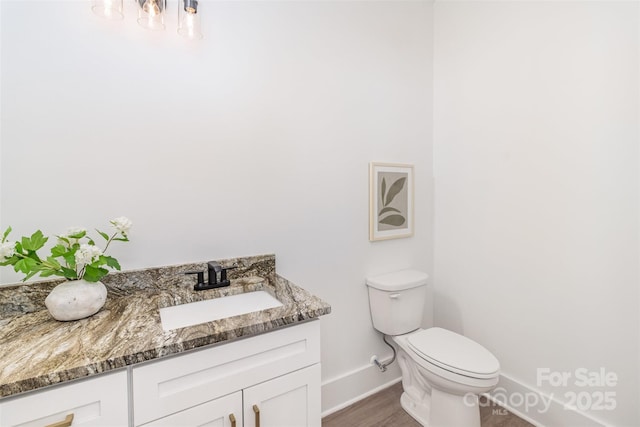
189,19
151,14
109,9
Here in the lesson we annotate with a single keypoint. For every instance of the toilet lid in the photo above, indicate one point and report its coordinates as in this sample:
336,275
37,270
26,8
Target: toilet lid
454,352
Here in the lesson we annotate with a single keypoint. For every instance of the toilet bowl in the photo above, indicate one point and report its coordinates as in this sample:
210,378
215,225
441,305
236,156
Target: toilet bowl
442,372
454,369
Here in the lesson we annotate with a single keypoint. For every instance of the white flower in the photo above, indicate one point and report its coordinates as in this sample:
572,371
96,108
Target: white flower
122,224
87,254
7,249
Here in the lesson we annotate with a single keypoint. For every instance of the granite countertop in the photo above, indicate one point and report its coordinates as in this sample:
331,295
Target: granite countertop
37,351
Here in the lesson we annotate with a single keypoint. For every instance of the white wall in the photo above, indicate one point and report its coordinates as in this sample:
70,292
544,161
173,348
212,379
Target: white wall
255,140
536,183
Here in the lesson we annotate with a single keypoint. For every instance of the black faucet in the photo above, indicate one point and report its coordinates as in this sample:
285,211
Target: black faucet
212,271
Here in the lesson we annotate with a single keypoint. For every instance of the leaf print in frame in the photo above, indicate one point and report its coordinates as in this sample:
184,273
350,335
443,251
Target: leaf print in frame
395,188
395,220
391,201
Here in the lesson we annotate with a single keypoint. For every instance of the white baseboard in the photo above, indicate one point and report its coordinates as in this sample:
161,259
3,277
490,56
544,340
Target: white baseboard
538,408
349,388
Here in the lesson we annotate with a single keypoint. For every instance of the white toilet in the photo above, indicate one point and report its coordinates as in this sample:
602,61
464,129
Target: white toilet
442,372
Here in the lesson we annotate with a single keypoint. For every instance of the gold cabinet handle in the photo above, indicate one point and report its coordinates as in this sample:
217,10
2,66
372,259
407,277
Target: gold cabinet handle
64,423
256,411
232,418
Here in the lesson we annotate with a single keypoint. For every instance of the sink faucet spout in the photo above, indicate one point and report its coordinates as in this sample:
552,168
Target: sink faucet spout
213,268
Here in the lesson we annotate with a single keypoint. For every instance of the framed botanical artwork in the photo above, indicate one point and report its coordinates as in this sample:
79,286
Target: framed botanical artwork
390,201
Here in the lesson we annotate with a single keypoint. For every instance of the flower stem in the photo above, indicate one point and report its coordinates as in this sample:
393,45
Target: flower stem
109,242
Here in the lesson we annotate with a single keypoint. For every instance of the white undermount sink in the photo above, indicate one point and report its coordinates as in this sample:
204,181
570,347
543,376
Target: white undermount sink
194,313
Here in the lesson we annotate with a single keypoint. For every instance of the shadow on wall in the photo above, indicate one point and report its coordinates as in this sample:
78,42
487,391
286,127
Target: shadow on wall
447,313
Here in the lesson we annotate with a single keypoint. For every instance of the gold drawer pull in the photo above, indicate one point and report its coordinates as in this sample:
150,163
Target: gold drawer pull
256,411
232,418
64,423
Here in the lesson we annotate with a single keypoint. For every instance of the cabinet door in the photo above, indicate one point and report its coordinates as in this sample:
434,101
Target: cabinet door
292,400
100,401
223,412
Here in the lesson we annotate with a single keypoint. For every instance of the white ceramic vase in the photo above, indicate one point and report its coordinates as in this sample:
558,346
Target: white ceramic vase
76,299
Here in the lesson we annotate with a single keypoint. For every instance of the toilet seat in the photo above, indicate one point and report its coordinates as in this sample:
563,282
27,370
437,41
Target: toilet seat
454,353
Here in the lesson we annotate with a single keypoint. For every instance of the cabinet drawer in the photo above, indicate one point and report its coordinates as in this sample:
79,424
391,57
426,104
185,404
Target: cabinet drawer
211,414
100,401
168,386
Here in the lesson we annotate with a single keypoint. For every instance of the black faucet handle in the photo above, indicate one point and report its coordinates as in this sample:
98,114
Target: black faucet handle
200,276
223,275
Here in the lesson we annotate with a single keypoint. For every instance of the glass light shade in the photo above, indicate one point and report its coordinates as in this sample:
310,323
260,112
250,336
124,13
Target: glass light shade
151,14
189,20
108,9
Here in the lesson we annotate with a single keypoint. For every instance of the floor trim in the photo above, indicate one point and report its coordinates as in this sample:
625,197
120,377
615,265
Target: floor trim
538,408
347,389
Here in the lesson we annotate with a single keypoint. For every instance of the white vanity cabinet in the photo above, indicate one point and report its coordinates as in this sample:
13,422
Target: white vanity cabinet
266,380
97,401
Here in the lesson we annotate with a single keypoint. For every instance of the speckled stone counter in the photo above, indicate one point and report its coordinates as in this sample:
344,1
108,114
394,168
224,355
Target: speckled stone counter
37,351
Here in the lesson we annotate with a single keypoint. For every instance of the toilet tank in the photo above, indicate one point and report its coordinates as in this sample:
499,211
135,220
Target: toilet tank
397,301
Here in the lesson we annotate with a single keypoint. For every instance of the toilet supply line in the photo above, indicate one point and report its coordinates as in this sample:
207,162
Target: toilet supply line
383,366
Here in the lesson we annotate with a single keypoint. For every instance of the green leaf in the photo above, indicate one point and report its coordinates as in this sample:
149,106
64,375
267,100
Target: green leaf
79,235
10,261
30,275
395,188
110,261
104,235
94,274
26,265
58,250
69,273
35,242
388,209
395,220
384,189
34,256
53,263
70,259
6,234
121,239
46,272
70,256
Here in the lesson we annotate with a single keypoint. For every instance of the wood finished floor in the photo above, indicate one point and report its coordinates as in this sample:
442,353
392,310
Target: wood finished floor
383,410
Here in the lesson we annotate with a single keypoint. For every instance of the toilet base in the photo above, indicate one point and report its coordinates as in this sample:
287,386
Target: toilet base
418,410
442,409
451,410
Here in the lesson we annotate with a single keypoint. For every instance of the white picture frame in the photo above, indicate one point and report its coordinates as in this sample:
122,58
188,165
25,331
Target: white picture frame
391,203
